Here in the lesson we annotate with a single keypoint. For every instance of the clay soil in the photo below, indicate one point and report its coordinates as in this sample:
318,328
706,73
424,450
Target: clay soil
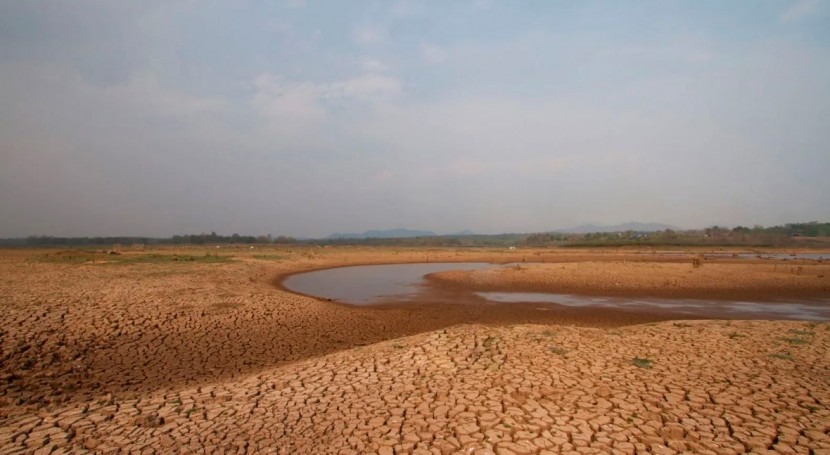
174,351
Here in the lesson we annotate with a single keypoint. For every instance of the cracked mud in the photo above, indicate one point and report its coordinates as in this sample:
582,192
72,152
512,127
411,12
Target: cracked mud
187,358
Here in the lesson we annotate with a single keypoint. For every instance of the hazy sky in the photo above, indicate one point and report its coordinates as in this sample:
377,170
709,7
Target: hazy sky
306,118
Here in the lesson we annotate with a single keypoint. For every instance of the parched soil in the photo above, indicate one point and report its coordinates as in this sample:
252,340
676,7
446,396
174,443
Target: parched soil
699,387
208,355
736,281
71,331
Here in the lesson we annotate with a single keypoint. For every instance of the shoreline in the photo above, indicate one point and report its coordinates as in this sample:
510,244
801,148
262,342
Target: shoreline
727,282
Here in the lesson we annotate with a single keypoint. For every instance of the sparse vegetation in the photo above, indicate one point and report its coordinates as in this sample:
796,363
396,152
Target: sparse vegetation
174,258
269,257
558,350
490,340
71,257
86,256
641,362
781,356
795,341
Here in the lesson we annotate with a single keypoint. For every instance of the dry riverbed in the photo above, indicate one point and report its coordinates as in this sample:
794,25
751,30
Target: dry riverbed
182,352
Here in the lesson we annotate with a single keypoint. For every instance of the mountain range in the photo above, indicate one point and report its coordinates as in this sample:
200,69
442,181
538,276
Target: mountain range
387,234
583,229
632,226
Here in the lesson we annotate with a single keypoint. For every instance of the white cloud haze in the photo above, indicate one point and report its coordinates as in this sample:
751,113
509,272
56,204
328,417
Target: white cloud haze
306,118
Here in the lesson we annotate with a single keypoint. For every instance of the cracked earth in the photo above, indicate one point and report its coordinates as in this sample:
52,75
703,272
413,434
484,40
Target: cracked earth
187,358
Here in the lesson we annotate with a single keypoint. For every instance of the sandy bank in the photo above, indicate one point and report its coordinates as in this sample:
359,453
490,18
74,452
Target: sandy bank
649,279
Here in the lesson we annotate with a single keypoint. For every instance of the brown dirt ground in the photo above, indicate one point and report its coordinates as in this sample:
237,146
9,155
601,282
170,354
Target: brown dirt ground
197,356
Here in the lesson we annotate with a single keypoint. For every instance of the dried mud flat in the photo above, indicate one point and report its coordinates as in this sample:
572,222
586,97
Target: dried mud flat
192,357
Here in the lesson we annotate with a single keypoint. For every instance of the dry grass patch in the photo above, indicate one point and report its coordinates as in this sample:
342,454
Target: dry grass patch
795,341
268,257
781,356
642,362
558,350
89,256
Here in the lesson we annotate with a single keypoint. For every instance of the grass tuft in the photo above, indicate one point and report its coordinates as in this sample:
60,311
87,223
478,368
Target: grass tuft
795,341
71,257
781,356
490,340
269,257
90,256
641,363
558,350
173,258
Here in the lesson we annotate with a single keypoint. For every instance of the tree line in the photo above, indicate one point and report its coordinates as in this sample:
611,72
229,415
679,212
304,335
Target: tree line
188,239
791,234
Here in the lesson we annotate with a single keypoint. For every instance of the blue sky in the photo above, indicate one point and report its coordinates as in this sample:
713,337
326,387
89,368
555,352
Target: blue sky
306,118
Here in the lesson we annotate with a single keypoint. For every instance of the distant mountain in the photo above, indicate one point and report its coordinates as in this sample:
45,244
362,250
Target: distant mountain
464,232
632,226
387,234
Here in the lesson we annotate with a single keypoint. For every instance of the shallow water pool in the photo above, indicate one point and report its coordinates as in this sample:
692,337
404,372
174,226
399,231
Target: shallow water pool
405,283
818,310
372,284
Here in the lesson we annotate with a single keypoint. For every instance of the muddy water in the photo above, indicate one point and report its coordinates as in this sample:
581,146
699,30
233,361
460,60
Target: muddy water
818,310
403,283
778,256
372,284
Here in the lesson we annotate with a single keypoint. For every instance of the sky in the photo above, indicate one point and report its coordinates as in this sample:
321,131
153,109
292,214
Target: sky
305,118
